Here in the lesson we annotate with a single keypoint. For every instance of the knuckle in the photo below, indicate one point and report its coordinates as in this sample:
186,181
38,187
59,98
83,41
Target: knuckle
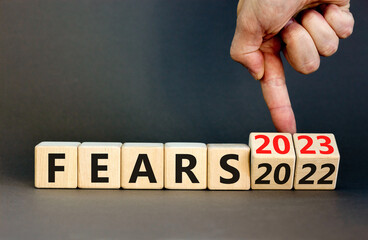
275,82
332,14
291,33
329,49
345,2
332,8
310,67
234,54
242,21
309,16
348,28
294,35
346,31
279,108
341,21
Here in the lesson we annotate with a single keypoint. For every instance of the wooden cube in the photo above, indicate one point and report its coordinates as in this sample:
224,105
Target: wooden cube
317,161
99,165
185,166
142,166
56,164
228,166
272,160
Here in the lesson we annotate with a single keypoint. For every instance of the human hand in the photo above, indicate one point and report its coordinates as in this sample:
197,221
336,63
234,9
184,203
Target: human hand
263,25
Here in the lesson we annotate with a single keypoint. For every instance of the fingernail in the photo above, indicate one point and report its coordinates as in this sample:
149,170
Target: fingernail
254,75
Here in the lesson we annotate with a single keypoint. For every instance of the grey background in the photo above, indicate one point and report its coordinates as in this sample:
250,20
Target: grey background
160,71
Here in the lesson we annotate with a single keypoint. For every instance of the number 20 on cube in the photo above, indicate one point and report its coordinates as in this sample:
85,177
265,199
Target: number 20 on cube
272,160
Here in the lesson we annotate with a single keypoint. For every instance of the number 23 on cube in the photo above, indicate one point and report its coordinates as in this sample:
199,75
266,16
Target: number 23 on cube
317,161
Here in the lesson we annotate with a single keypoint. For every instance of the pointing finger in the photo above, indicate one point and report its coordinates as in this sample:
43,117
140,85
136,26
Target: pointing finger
274,88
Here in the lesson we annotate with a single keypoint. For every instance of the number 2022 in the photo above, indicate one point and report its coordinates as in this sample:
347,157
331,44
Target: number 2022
261,150
313,168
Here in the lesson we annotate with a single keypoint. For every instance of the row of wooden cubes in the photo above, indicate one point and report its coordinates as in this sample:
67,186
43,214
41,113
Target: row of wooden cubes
273,161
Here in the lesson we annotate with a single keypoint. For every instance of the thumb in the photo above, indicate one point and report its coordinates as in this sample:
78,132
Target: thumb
247,40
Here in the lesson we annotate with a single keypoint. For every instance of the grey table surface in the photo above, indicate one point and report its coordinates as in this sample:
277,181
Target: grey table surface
160,71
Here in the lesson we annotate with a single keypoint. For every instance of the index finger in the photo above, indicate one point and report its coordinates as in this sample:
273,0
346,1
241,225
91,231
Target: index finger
276,94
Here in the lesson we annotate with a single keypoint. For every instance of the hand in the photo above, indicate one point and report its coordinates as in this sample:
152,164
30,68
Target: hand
263,25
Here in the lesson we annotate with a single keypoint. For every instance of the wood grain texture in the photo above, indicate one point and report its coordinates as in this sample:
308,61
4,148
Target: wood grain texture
317,161
236,158
269,153
63,178
112,152
198,151
153,153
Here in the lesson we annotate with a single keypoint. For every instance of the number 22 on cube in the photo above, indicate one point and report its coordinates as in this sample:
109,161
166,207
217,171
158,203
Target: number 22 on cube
272,160
317,161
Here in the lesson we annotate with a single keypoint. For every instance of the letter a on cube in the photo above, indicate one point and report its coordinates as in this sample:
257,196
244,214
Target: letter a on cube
142,166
